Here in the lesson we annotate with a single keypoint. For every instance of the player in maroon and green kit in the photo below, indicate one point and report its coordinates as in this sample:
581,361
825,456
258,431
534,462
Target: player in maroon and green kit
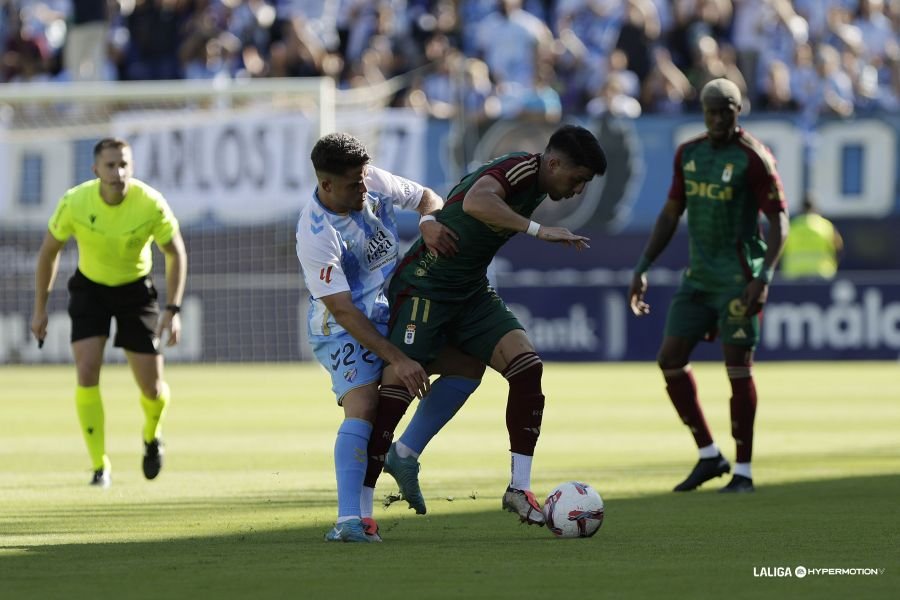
441,300
724,179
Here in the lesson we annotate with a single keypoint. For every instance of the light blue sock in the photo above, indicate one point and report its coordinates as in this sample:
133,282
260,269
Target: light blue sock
350,461
435,410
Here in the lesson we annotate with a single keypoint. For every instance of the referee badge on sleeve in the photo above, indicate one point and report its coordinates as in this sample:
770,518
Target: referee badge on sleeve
410,336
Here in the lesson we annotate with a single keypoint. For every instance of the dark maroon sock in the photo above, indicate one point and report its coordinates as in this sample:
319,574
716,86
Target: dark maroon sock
743,414
525,404
682,390
393,400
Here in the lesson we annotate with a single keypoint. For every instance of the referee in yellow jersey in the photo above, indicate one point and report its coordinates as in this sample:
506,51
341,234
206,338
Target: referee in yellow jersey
113,219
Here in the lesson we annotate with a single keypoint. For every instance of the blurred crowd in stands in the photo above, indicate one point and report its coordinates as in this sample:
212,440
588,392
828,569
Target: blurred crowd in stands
493,58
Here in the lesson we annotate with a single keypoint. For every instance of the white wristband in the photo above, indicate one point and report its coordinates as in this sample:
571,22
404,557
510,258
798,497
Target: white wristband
533,229
427,218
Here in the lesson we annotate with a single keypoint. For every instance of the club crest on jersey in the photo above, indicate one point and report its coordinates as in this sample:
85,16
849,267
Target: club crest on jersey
410,336
350,375
727,173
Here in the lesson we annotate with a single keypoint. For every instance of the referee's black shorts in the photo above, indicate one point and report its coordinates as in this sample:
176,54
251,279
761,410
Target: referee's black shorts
134,305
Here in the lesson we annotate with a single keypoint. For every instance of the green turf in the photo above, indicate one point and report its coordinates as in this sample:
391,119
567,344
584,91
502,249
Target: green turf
248,492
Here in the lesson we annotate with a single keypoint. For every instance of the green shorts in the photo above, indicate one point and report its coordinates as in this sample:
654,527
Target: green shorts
701,315
421,327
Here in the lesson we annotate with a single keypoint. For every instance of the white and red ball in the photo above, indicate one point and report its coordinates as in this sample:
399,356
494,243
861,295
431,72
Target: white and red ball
573,510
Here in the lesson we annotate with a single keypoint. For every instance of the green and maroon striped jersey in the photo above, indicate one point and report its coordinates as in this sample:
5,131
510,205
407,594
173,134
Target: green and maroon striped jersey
724,189
459,276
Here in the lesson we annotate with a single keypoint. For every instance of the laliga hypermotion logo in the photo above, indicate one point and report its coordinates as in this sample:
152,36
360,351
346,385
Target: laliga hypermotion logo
800,571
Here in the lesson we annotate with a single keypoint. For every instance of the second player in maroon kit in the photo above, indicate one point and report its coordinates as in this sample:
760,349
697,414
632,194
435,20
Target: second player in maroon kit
724,179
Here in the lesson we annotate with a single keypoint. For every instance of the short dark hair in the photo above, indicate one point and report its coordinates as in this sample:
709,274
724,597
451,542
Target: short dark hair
580,145
809,202
337,152
105,143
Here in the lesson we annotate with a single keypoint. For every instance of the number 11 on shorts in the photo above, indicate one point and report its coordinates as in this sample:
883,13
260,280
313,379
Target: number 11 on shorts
426,308
410,336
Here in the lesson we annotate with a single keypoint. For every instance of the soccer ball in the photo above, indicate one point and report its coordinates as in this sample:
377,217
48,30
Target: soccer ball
573,510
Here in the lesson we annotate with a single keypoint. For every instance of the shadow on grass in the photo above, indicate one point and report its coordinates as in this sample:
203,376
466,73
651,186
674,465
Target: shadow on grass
694,545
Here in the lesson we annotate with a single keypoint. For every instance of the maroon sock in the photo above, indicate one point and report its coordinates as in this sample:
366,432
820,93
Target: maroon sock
525,405
682,390
743,410
393,400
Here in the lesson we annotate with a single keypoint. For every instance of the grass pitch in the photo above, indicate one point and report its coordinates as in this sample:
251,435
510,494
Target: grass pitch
248,491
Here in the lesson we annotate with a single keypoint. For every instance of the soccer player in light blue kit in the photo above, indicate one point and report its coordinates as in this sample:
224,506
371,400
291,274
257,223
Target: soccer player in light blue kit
348,248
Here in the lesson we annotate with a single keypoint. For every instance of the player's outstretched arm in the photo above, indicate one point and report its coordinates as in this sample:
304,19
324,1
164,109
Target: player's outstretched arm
359,326
561,235
485,201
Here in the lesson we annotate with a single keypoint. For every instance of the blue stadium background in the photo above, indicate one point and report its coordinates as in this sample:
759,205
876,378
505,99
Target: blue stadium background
477,78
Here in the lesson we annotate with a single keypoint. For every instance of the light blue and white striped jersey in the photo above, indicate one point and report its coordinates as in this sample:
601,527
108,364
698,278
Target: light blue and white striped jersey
356,252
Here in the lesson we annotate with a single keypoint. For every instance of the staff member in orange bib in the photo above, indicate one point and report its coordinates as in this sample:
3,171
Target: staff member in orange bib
113,219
